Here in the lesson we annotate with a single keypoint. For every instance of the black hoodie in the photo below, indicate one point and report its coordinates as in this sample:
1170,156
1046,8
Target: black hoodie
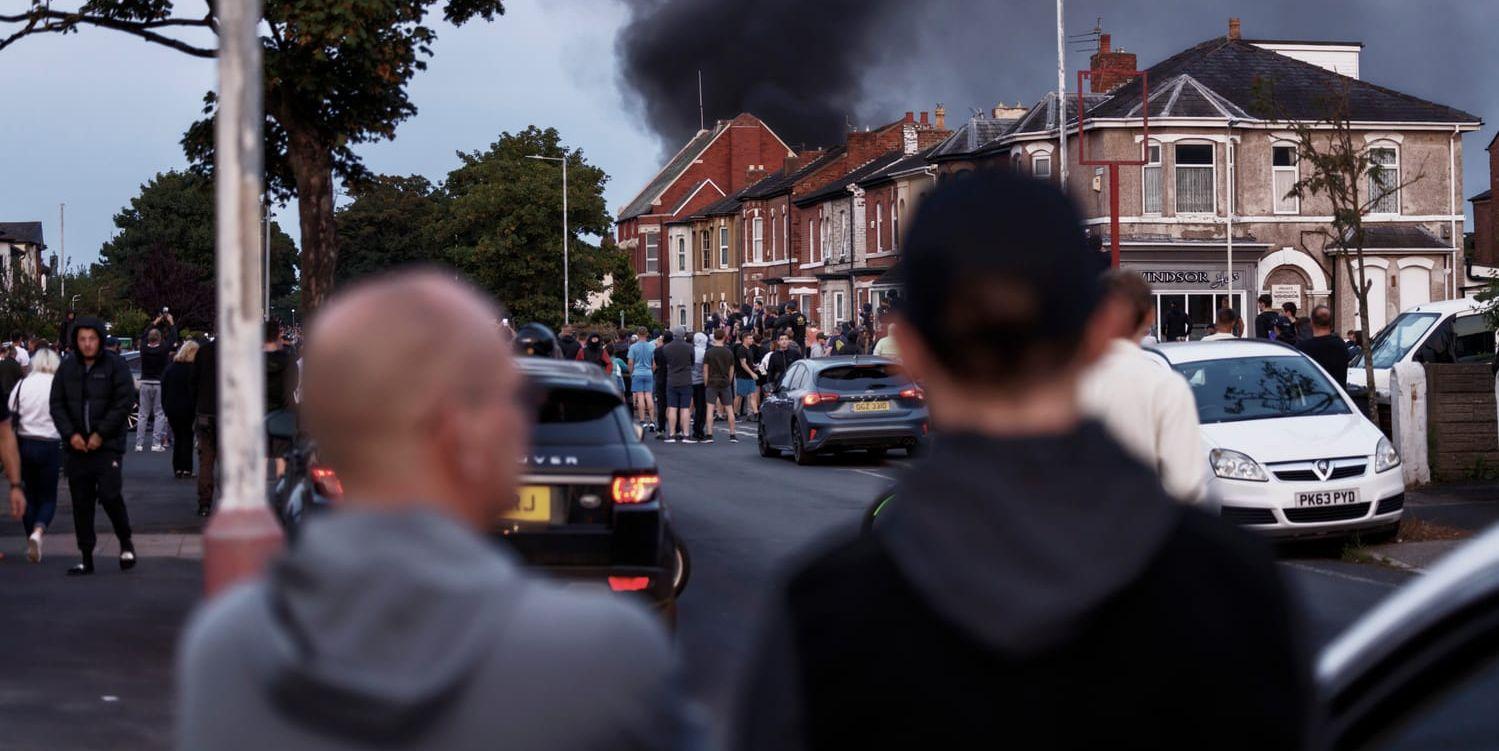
97,398
1042,588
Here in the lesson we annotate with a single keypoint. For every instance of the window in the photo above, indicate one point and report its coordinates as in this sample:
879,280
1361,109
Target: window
775,231
652,253
1152,187
810,252
895,224
681,253
879,228
681,315
839,300
723,247
707,251
1041,166
1283,164
1195,181
759,239
1014,164
579,416
1384,181
1257,388
822,245
848,236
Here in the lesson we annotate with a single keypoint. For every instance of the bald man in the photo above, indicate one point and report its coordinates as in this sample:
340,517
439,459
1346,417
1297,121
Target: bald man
393,622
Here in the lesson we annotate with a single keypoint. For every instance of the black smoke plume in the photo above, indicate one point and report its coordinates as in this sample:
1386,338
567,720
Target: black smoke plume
797,64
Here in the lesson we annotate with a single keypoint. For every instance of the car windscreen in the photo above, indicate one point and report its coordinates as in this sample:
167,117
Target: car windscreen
1257,388
861,378
1395,340
573,417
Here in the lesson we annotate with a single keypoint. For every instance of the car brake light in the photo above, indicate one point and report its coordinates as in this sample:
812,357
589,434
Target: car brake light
326,482
814,399
629,583
913,393
634,488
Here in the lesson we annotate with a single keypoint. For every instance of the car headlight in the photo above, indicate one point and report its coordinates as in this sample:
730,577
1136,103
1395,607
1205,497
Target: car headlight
1232,465
1385,456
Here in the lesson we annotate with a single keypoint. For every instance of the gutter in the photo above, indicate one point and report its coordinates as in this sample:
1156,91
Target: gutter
1452,210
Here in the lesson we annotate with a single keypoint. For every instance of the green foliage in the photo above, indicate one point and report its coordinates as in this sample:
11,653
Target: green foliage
128,323
385,226
26,308
499,218
1490,299
625,298
163,252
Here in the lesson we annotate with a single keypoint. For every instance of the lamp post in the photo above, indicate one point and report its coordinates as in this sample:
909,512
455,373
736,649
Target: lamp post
567,302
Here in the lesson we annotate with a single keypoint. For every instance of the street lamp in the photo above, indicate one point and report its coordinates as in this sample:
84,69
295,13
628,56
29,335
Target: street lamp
566,287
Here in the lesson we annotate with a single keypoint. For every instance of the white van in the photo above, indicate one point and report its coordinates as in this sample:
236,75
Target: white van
1446,331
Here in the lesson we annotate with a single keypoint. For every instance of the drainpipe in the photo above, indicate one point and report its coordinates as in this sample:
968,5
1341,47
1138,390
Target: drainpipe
1228,159
1452,210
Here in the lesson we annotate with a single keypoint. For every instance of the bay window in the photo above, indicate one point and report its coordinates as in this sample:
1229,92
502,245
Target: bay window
1195,179
1151,190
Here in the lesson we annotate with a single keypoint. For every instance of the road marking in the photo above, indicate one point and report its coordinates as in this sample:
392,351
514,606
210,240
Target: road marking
1338,574
870,473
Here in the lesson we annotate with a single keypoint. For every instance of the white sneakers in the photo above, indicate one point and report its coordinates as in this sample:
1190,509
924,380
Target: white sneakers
157,448
34,546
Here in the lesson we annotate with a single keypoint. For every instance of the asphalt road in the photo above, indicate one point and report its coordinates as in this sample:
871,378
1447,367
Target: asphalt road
747,519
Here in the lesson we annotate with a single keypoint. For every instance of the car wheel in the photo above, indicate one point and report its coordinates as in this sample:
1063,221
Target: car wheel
682,563
766,450
798,448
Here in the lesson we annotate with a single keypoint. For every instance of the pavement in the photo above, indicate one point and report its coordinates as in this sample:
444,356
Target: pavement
91,661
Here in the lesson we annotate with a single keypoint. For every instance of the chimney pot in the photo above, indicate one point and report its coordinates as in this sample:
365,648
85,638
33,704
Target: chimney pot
941,117
910,117
1233,28
923,119
1103,44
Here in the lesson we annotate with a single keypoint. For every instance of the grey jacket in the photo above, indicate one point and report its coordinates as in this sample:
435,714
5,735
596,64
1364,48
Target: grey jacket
407,631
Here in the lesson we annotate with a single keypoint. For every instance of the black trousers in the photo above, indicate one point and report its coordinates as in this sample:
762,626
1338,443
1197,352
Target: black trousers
661,404
699,410
94,479
182,441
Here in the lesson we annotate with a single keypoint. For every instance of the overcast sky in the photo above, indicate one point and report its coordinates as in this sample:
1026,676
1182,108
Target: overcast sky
89,117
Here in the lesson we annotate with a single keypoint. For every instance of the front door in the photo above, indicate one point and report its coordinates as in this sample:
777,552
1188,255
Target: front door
1200,312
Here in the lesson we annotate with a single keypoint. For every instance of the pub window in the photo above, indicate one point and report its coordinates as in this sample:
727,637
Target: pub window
1195,180
1041,166
1152,175
1384,180
1286,173
723,247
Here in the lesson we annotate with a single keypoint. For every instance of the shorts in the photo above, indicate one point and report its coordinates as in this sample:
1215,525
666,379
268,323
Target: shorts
744,386
720,395
642,383
678,397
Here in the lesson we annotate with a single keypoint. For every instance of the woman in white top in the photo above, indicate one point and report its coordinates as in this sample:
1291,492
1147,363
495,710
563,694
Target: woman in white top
41,451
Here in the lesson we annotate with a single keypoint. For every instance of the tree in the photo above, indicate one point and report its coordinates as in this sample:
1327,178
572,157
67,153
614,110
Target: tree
335,76
385,226
1336,165
163,253
499,219
626,302
27,308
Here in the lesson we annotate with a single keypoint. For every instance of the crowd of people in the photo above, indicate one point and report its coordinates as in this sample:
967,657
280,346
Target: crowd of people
67,410
679,383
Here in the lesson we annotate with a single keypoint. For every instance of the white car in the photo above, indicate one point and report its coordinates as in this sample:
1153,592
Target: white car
1289,453
1446,331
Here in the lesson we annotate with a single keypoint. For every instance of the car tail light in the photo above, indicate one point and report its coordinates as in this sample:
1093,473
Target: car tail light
629,583
325,481
913,393
812,400
628,489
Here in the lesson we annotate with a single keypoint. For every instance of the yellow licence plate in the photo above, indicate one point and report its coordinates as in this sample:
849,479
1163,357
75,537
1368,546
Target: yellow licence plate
533,503
872,406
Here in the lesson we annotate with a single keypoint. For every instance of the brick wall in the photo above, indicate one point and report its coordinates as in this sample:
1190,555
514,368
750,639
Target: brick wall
1463,430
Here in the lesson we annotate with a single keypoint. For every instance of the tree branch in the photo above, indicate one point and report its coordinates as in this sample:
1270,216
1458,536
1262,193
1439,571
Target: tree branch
58,21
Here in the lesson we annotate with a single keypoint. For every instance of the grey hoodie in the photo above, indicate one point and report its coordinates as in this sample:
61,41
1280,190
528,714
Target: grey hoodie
406,630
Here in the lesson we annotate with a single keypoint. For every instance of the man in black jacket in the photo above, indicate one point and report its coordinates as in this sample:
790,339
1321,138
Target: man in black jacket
1032,585
91,398
205,382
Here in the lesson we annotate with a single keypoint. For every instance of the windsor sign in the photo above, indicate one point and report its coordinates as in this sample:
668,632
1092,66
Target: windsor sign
1209,279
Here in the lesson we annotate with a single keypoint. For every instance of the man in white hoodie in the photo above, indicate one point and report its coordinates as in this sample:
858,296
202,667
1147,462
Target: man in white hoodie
1147,406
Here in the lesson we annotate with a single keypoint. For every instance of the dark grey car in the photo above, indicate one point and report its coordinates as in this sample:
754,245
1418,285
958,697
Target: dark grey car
834,404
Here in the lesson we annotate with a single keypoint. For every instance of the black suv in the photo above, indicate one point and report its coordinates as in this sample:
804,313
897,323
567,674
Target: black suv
589,504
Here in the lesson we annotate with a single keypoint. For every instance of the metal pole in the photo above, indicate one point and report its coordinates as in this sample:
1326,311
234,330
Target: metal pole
243,535
1228,159
1062,94
266,234
1114,216
62,242
567,301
